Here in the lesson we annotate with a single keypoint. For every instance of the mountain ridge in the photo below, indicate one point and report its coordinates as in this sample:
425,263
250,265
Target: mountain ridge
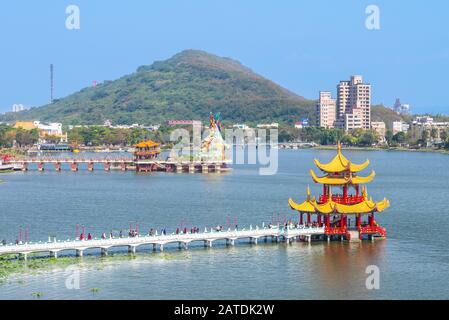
188,85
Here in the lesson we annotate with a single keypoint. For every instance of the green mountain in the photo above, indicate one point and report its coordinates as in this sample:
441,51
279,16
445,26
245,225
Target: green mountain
187,86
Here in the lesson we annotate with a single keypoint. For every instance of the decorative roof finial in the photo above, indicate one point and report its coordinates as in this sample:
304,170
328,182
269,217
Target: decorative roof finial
365,192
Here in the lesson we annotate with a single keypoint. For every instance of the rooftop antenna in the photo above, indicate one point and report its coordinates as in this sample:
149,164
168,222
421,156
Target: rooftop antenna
51,84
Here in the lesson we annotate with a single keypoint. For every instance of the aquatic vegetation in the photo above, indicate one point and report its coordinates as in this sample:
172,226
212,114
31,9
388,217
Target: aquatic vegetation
10,265
37,295
95,290
36,264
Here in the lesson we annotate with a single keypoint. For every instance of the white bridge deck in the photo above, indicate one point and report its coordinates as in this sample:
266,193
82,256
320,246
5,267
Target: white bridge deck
79,246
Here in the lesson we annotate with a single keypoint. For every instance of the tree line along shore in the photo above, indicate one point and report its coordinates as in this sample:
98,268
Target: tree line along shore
16,139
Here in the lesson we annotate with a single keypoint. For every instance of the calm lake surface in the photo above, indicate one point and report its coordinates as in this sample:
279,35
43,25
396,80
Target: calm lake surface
413,261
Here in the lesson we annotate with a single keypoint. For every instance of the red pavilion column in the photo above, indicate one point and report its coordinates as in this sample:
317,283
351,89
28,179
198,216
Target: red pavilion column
308,218
300,218
342,221
319,220
74,166
324,193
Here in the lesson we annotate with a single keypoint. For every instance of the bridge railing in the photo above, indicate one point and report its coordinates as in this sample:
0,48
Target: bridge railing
212,235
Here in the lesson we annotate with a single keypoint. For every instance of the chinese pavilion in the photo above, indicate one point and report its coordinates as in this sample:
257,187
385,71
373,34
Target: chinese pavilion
144,155
337,203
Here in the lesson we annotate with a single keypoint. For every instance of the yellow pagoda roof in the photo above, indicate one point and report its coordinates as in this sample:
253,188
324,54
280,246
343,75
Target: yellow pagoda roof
147,144
331,207
26,125
340,163
342,180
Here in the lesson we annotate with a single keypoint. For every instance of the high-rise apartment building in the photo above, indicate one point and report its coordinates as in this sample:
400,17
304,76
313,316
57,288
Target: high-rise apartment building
326,110
18,107
353,120
354,94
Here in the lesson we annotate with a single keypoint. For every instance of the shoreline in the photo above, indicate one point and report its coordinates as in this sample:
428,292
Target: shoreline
441,151
319,147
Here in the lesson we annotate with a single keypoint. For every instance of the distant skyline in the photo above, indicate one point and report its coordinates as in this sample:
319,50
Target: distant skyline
304,46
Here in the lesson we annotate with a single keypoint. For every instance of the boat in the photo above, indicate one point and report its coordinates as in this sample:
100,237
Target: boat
6,167
54,147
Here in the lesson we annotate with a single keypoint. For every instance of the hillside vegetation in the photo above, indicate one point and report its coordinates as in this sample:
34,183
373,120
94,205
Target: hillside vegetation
187,86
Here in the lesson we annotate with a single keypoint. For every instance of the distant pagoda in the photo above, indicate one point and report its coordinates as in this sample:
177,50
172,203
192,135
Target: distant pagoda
332,209
144,155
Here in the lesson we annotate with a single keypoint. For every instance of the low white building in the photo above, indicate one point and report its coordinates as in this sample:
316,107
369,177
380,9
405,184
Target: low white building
53,128
400,126
240,126
433,129
273,125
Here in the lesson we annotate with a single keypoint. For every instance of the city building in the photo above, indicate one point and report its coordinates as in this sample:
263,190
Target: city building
326,110
302,124
18,107
354,94
400,126
380,128
184,122
240,126
298,125
53,128
426,120
401,108
45,129
353,119
273,125
426,127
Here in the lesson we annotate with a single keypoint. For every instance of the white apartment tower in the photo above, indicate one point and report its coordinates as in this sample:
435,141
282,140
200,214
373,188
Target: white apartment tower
354,94
326,110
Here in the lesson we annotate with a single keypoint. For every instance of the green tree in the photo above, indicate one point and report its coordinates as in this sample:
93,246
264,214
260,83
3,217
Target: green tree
425,136
434,133
444,135
400,137
389,136
368,138
26,137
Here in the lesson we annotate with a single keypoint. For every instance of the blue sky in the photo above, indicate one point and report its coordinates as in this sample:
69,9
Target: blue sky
305,46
